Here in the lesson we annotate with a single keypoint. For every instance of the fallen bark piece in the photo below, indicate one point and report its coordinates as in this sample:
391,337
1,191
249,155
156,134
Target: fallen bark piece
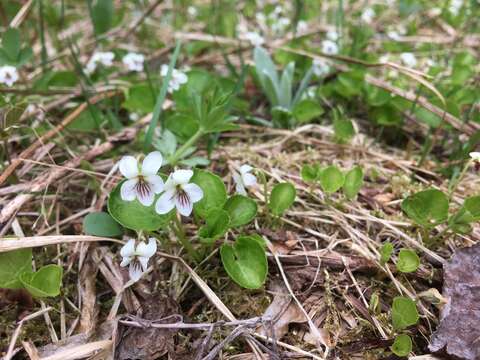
459,332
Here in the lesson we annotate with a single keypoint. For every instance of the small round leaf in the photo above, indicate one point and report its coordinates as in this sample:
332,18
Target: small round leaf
427,208
281,198
133,215
404,312
245,262
214,192
402,346
408,261
353,182
331,179
241,210
101,224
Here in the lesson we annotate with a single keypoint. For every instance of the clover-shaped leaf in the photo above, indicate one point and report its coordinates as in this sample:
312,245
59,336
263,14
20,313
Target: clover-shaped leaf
101,224
12,265
133,215
331,179
427,208
45,282
281,198
241,210
408,261
245,262
402,346
216,225
404,313
353,182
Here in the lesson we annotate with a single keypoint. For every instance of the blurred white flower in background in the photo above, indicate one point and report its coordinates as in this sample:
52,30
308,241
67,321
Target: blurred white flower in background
367,15
178,78
179,193
244,179
302,26
137,257
455,6
329,47
254,38
99,58
192,11
408,59
320,67
475,156
332,35
134,61
144,183
8,75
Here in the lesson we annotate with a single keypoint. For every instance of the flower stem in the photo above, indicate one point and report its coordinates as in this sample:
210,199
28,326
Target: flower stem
178,229
457,181
181,150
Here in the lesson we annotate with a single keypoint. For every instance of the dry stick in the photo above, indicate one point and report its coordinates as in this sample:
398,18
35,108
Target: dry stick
312,326
21,15
25,154
19,327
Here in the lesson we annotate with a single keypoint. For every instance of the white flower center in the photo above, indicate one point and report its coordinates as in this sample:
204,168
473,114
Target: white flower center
142,187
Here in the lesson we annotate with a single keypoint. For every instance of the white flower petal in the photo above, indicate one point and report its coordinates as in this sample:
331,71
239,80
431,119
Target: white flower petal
125,261
145,250
475,155
156,183
245,168
194,192
144,262
182,176
127,191
239,187
135,271
152,163
184,204
170,185
146,197
165,202
128,166
128,250
249,179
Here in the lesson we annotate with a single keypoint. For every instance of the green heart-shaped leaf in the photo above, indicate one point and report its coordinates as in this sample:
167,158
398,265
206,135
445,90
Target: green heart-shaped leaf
241,210
216,225
281,198
402,346
245,262
310,173
133,215
404,313
427,208
331,179
214,192
408,261
12,265
353,182
101,224
45,282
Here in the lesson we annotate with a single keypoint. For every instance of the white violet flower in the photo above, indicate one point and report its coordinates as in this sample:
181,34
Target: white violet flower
320,67
329,47
455,6
8,75
178,78
367,15
144,183
134,61
137,257
179,193
192,11
475,156
254,38
102,58
408,59
302,26
244,179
